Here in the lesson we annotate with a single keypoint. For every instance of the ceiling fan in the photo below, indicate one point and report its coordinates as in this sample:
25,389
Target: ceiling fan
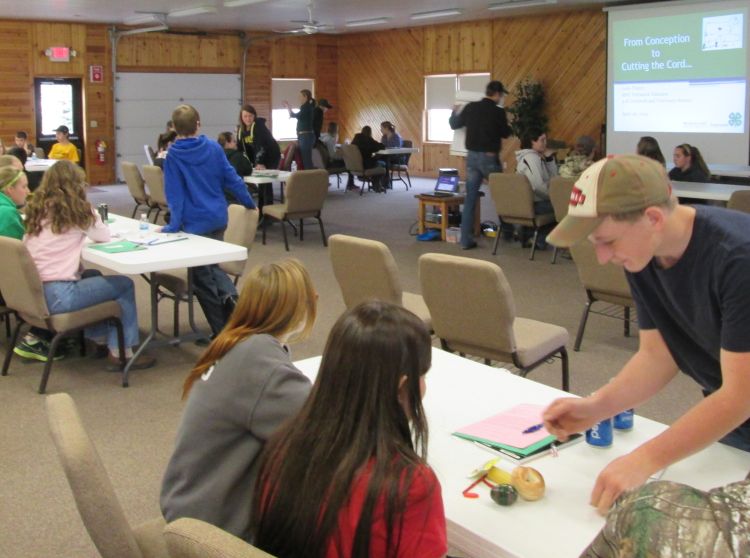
309,26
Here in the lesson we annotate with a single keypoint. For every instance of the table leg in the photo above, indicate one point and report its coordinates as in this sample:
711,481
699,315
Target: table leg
443,221
420,216
152,332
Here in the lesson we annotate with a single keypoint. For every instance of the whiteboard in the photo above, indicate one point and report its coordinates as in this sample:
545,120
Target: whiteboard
458,146
145,101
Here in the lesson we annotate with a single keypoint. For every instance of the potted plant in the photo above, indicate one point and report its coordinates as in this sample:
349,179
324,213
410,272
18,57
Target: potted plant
528,107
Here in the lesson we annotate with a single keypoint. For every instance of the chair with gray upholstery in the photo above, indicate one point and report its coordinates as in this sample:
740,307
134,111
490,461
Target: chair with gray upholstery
559,195
193,538
473,312
23,291
402,166
305,193
93,492
154,178
356,167
514,204
365,269
739,201
136,186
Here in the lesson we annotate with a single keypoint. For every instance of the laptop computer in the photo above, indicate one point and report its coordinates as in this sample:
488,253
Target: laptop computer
446,186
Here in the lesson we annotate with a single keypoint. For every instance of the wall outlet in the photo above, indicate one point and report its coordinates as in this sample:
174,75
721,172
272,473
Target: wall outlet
93,124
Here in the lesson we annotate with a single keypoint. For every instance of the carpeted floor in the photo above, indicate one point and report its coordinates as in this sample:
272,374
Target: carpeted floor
134,428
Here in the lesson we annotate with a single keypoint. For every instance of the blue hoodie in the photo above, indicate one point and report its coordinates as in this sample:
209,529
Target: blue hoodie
196,173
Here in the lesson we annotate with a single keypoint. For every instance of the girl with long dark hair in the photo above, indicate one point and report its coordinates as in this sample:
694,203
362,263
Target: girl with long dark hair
689,165
347,477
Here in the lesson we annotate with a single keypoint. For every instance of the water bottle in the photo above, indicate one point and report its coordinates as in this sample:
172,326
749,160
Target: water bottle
143,225
33,156
294,166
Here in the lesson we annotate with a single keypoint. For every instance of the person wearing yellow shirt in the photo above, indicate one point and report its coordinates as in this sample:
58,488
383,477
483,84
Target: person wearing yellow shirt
63,149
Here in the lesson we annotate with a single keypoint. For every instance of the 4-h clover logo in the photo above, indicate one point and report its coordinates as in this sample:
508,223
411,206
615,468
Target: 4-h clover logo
735,119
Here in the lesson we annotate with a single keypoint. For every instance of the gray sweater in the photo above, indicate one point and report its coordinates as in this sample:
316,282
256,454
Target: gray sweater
231,412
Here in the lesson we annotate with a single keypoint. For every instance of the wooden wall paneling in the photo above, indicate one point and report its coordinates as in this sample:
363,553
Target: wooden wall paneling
184,53
16,83
326,79
381,78
46,35
294,57
258,78
99,106
458,48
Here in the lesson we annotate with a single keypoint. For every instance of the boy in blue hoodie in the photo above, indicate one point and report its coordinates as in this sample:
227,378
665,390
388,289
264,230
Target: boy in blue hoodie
196,173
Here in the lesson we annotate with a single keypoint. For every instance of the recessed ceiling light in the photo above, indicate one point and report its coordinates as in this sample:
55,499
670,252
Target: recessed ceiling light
436,13
237,3
521,4
365,22
197,10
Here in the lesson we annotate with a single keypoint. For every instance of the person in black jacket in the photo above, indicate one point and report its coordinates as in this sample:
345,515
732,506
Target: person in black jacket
305,130
320,109
367,146
237,158
689,165
255,140
486,126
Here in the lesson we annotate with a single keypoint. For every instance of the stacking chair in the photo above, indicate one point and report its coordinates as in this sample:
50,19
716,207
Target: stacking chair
154,178
150,155
402,166
39,152
602,283
365,269
193,538
305,193
241,229
739,201
136,186
473,312
5,314
92,489
22,288
514,204
356,167
333,166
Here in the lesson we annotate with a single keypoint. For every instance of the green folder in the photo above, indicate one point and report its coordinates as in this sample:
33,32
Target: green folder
117,247
542,444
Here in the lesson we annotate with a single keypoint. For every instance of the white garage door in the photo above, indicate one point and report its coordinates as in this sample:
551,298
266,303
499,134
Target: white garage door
145,101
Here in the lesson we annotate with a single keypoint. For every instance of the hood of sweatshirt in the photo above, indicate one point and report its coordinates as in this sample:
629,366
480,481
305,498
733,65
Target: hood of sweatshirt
521,153
191,151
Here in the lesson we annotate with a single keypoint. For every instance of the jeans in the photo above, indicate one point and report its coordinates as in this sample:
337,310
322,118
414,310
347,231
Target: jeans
306,140
479,165
213,288
69,296
736,440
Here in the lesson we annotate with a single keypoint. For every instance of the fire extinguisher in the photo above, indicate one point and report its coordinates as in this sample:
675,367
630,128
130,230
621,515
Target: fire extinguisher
101,151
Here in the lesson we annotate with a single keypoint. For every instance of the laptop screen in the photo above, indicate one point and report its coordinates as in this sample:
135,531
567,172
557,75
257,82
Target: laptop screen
447,184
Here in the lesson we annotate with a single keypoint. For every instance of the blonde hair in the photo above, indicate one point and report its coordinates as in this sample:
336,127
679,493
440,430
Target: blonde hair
276,298
9,161
8,177
61,200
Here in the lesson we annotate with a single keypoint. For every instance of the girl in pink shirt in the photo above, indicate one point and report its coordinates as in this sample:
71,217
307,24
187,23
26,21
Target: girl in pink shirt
347,477
59,219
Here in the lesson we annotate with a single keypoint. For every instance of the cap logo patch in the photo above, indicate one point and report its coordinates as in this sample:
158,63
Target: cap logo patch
577,197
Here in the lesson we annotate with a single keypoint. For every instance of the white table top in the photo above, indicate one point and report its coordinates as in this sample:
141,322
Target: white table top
742,171
562,524
194,251
705,190
39,165
397,151
278,176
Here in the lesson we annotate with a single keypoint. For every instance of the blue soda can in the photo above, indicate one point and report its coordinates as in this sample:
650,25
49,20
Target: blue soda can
624,420
600,435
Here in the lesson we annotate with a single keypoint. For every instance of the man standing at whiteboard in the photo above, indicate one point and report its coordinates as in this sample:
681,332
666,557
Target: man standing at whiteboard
486,126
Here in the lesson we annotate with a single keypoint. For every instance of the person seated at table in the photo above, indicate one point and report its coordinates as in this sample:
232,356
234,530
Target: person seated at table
330,138
239,393
63,149
19,153
649,147
665,519
689,165
390,137
536,163
236,158
580,158
196,174
367,147
22,141
11,161
255,140
164,143
59,219
348,475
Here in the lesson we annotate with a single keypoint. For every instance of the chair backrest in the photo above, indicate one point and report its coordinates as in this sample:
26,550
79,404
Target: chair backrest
241,229
92,489
193,538
352,158
20,282
306,191
39,152
154,178
559,195
364,269
149,154
606,280
470,301
739,201
407,143
134,180
512,196
288,156
320,156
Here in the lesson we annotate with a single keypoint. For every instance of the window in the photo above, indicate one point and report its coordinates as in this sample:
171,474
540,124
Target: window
282,89
440,96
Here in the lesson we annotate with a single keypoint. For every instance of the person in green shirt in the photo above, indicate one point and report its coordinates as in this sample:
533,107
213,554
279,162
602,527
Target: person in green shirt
14,187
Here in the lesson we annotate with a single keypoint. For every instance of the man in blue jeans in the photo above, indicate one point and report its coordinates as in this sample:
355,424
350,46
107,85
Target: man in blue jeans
486,126
196,173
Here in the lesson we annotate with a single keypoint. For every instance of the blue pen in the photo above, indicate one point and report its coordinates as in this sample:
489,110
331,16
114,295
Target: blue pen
534,428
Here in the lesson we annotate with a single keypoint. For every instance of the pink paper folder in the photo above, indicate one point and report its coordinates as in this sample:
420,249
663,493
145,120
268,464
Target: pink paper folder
507,428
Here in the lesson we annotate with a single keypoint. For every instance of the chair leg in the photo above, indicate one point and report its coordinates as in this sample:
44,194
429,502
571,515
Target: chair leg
497,238
283,230
565,369
322,230
263,228
408,185
48,365
582,325
533,243
444,345
13,342
301,230
121,348
7,325
554,255
176,317
135,210
627,321
488,362
82,341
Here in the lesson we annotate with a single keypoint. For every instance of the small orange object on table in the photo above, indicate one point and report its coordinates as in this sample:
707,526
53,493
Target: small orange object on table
442,204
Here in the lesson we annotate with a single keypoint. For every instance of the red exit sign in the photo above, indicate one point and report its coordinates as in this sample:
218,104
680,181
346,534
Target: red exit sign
58,54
